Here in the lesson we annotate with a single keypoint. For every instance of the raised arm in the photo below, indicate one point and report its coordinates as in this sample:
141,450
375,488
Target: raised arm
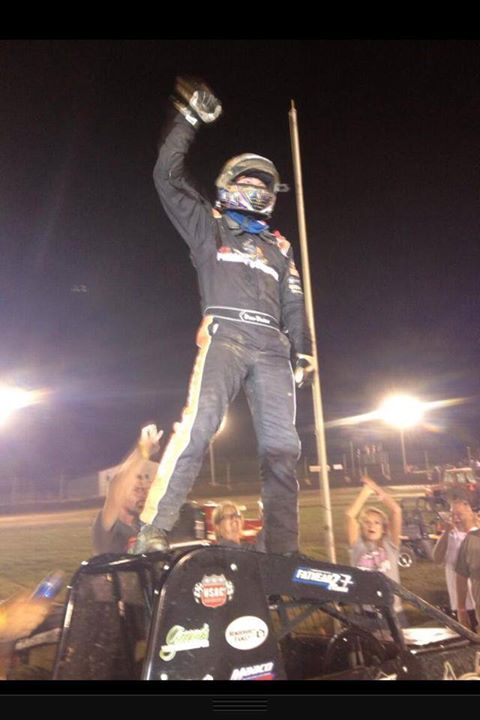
393,508
352,512
125,479
189,212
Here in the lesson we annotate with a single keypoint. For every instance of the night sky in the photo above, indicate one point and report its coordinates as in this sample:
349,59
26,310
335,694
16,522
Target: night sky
98,299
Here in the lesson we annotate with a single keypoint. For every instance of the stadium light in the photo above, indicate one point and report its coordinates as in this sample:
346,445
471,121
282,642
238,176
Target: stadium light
402,411
14,398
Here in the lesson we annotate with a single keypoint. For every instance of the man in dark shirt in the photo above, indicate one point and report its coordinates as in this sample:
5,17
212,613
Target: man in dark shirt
253,322
117,524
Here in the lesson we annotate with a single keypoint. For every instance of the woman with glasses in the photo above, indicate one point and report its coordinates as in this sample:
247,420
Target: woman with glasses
228,524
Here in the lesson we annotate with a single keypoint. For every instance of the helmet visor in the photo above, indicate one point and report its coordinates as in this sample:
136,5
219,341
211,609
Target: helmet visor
249,198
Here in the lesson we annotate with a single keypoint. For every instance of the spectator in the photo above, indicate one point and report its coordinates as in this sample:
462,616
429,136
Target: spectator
228,524
467,568
374,538
456,527
117,524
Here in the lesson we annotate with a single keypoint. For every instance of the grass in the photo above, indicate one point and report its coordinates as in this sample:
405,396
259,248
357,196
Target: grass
31,550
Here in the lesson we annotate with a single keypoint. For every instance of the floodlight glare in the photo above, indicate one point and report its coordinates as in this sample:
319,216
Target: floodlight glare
401,411
14,398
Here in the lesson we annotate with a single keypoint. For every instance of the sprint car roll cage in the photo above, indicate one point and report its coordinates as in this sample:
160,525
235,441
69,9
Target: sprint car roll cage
210,612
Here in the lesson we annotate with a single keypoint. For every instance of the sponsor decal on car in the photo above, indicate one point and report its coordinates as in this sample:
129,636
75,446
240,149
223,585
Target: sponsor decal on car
178,639
246,632
213,591
339,582
262,671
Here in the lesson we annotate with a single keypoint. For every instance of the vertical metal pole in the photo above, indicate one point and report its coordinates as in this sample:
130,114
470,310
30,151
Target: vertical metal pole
352,460
427,461
306,477
387,471
404,455
316,391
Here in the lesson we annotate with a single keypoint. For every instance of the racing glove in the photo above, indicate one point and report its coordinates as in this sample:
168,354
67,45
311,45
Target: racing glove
195,101
304,370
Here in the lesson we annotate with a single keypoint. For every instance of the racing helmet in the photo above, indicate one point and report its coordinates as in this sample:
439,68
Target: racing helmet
248,198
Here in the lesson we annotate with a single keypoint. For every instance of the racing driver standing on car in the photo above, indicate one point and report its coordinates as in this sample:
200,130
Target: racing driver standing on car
253,324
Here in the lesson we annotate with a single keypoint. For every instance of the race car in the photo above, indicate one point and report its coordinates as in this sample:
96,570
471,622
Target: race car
206,612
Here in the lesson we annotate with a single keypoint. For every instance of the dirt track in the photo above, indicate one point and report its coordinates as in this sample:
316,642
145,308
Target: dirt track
65,517
308,498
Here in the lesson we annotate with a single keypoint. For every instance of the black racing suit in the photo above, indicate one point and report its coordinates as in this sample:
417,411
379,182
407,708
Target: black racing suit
251,298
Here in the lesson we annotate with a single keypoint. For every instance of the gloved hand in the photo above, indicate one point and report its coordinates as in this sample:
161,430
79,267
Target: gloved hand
304,370
195,100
